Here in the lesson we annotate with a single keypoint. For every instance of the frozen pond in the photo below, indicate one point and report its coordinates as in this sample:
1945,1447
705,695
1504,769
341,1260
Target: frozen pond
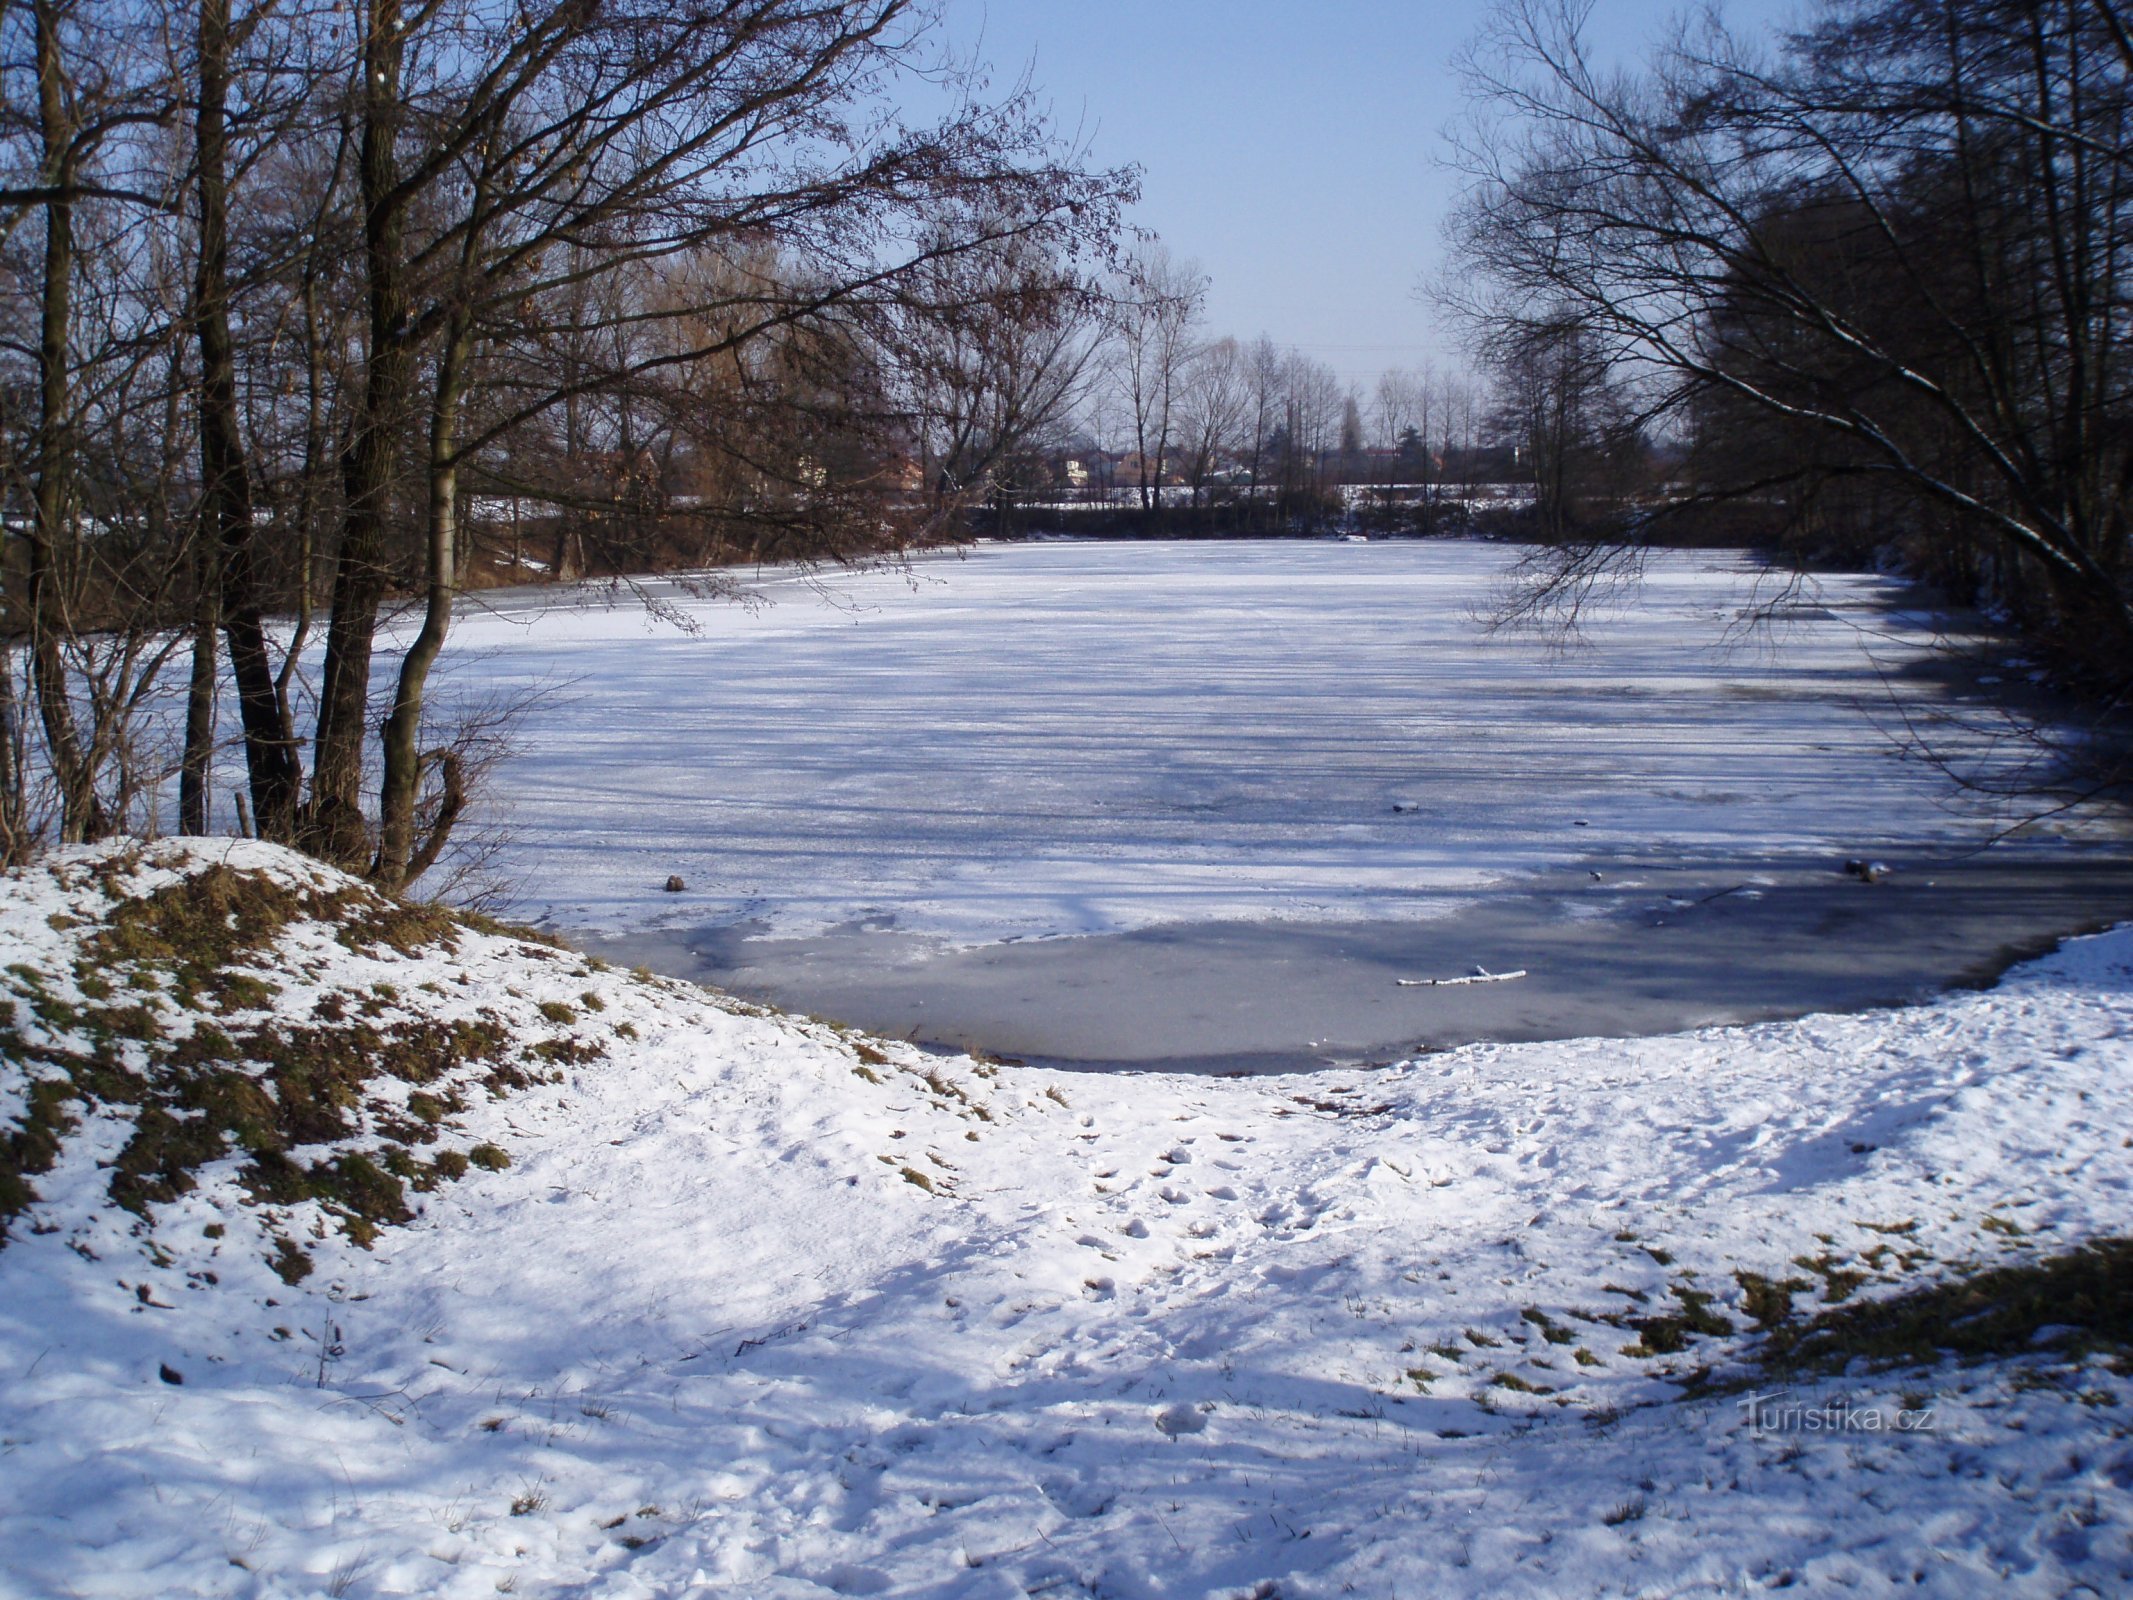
871,787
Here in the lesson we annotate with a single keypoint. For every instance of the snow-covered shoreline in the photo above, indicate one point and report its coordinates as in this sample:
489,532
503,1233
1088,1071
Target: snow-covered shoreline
708,1333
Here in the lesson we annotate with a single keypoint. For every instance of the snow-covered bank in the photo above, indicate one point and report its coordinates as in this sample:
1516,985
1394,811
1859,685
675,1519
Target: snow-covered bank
760,1308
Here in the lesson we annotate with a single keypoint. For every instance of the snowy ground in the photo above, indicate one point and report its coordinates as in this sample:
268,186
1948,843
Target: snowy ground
708,1333
1070,738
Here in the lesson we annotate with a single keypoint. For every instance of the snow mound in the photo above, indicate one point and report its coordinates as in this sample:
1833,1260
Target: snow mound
237,1027
749,1304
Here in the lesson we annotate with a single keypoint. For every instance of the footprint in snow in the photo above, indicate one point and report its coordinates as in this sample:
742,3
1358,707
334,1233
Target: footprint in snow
1076,1499
1134,1228
850,1578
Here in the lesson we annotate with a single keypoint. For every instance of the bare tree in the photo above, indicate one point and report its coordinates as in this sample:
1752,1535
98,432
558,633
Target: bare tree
1264,377
1314,403
228,582
1902,241
1157,302
1400,409
1558,410
994,345
89,580
1214,408
653,130
282,285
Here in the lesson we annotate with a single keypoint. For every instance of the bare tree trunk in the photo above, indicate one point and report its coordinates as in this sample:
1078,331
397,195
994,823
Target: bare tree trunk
404,761
16,839
309,510
81,815
226,488
1427,466
196,768
337,830
1162,446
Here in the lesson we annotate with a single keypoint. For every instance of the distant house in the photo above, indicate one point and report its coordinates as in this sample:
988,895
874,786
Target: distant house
902,474
1137,471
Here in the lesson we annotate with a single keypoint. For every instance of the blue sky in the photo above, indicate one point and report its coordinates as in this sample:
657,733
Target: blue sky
1290,148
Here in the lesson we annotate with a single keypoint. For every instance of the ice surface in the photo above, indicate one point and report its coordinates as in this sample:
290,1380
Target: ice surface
1258,779
1069,738
1641,949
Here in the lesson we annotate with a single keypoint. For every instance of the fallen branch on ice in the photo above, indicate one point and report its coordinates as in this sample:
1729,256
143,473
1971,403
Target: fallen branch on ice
1478,975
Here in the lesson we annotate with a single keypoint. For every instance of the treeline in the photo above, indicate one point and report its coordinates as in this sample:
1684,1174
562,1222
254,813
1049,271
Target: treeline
1138,419
309,309
1865,292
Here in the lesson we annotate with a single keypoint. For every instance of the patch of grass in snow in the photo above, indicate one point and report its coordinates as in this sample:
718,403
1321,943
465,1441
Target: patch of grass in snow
1333,1106
1837,1282
199,931
1518,1385
1768,1301
1897,1229
290,1261
2073,1303
33,1144
946,1088
1657,1336
1554,1332
1668,1334
568,1052
1697,1313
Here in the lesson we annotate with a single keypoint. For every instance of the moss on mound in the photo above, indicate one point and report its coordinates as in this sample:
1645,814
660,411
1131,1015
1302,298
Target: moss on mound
168,1007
